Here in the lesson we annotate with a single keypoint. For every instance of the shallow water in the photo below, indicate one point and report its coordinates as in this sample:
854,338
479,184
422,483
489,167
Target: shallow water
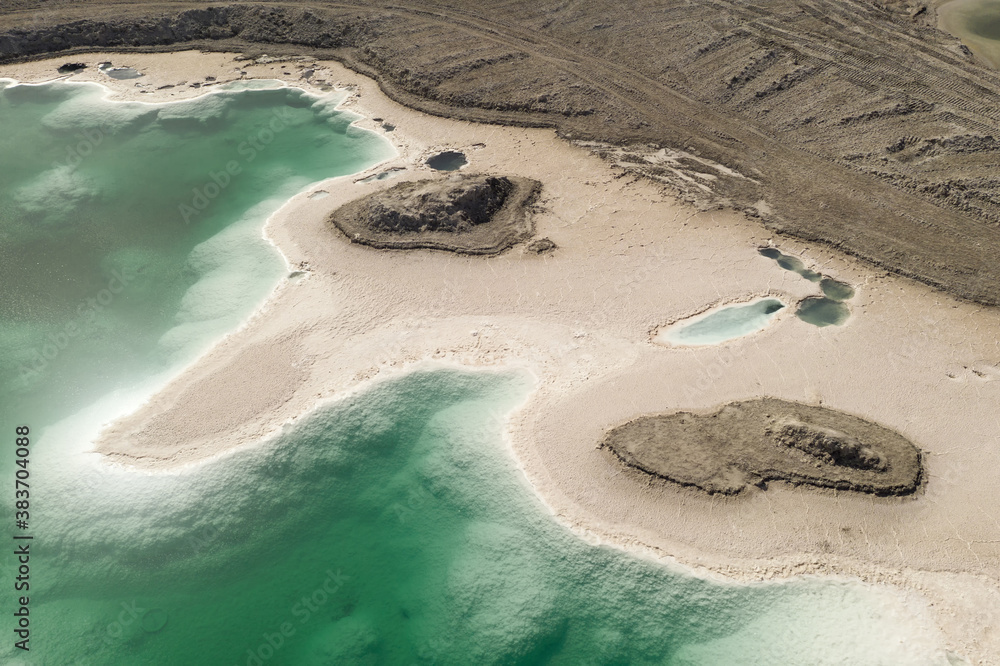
790,263
823,311
828,310
131,238
722,324
394,528
391,527
836,290
980,18
131,233
986,24
977,24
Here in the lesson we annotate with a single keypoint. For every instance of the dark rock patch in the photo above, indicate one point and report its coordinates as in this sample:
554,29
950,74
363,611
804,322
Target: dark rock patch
470,214
70,67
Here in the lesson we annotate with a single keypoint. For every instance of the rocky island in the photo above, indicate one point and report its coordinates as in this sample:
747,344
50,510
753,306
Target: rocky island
467,213
756,441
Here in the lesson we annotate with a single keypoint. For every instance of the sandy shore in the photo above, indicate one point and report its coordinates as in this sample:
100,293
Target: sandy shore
629,258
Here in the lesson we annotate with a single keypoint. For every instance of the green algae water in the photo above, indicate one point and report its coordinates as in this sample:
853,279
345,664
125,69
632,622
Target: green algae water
836,290
391,527
130,234
823,311
790,263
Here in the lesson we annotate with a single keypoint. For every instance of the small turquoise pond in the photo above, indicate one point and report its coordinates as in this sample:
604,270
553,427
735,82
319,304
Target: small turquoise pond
826,310
790,263
823,311
725,323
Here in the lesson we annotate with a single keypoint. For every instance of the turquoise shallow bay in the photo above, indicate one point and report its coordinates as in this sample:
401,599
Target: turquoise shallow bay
391,527
97,197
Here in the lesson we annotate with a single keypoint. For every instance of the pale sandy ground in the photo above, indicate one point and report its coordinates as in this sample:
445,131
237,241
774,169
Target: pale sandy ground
629,259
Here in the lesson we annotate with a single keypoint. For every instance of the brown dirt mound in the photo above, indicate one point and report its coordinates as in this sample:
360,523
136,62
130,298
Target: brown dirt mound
468,214
752,442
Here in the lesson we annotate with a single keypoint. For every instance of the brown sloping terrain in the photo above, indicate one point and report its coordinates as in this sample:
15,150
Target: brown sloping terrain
853,123
752,442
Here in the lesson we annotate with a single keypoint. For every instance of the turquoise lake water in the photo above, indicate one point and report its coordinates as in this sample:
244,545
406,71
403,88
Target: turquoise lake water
392,527
725,323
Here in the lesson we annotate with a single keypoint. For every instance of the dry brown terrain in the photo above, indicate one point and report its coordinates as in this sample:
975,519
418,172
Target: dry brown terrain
856,124
756,441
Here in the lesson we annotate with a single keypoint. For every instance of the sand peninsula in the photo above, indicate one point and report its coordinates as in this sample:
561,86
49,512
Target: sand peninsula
630,258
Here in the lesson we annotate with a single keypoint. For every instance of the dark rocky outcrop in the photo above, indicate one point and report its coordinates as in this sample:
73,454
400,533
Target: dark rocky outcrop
429,206
828,445
470,214
70,67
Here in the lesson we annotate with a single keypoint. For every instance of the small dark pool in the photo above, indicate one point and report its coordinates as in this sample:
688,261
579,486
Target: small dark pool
985,22
450,160
836,290
790,263
822,311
